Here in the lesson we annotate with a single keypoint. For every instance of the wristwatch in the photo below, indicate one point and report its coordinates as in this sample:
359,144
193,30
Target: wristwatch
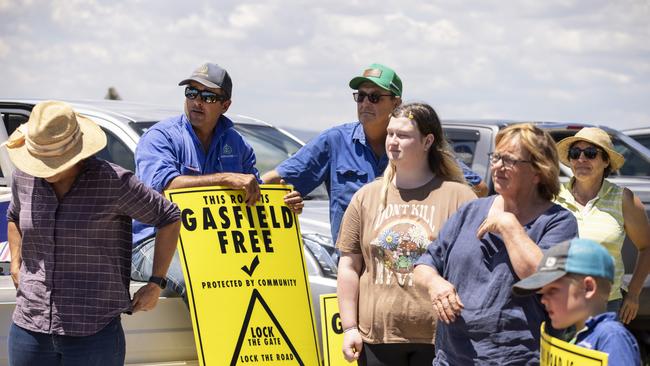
160,281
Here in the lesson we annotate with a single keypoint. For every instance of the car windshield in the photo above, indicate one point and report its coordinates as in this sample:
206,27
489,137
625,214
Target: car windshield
642,139
271,147
637,164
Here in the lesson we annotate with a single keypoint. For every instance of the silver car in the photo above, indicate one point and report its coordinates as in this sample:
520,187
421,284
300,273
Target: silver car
641,135
165,334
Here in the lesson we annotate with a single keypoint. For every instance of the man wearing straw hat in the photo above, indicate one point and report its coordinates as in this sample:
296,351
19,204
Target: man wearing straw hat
69,233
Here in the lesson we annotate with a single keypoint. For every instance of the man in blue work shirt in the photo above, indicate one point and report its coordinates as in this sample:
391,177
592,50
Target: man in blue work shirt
198,148
348,156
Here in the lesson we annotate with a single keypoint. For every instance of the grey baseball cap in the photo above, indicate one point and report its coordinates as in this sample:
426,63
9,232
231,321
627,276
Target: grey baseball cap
212,76
580,256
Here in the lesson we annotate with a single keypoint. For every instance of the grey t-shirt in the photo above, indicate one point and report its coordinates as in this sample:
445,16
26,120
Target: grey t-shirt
494,327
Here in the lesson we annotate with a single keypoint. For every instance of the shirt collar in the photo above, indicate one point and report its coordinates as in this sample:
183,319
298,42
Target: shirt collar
593,321
358,134
565,191
223,124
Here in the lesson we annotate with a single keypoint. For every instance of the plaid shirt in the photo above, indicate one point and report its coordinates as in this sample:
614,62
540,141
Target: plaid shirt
76,253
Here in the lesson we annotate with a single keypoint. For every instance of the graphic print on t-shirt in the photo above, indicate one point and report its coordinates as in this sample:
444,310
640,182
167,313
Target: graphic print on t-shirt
399,243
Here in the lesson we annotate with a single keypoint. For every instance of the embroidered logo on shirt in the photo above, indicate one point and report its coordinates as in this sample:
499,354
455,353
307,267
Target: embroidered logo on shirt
227,150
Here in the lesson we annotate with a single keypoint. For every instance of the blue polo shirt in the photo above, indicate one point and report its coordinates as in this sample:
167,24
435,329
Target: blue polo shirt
170,148
604,333
342,158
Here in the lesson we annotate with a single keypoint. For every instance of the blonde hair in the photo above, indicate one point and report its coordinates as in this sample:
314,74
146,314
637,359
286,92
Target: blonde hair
543,155
441,159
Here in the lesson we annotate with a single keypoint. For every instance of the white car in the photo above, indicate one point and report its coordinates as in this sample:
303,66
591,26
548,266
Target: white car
165,334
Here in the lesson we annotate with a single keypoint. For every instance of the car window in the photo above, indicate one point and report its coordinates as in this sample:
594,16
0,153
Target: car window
273,147
463,143
636,164
12,121
117,152
643,140
270,145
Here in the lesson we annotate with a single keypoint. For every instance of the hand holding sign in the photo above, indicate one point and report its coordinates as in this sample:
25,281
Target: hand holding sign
246,182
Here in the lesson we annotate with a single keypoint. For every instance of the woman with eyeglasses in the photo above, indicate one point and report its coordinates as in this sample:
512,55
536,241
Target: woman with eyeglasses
606,212
388,224
487,246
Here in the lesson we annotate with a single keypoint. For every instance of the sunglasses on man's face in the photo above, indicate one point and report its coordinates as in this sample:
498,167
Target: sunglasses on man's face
590,152
372,98
207,96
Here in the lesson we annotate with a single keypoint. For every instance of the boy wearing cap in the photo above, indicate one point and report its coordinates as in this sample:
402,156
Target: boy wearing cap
574,279
350,155
198,148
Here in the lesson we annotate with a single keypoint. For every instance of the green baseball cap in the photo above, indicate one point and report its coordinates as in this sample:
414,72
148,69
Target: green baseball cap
382,76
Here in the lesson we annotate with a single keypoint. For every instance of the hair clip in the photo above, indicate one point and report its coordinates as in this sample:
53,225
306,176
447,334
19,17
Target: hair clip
410,116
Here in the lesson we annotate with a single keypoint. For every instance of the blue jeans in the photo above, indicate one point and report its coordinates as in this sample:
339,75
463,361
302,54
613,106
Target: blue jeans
142,268
106,347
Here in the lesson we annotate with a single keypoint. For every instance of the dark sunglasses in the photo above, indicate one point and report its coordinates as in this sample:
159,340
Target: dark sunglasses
372,98
207,96
590,152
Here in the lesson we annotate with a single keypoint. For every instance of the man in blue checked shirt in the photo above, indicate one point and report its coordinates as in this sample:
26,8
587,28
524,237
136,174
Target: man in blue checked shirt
198,148
350,155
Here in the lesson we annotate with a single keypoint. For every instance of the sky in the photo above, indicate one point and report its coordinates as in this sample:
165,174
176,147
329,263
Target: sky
291,60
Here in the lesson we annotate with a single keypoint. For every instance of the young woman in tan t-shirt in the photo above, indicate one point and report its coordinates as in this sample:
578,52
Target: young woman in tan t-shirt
389,223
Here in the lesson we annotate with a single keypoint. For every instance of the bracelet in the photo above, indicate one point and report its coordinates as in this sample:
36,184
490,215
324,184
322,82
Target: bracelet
349,329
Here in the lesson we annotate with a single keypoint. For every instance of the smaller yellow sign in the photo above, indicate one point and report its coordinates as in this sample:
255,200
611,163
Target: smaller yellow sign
556,352
332,331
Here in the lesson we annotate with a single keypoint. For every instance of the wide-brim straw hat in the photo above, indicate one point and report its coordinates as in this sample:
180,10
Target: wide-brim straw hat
594,136
53,140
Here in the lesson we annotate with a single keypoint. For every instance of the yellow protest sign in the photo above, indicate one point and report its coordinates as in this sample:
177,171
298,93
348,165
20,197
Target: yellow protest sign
556,352
246,278
331,330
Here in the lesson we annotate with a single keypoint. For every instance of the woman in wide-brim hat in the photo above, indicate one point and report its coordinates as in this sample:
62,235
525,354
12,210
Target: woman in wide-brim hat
605,211
69,233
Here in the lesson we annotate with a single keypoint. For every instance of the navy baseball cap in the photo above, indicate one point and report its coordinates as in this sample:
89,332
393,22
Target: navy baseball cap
579,256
